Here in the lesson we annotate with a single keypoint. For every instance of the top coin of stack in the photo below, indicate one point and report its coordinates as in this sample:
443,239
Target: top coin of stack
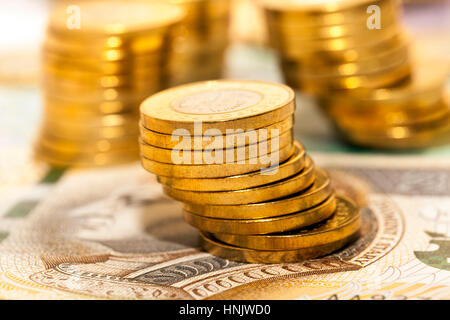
338,45
225,149
99,63
200,42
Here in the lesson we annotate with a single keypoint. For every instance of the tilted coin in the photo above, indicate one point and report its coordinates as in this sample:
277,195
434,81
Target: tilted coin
345,222
275,190
263,226
317,193
220,249
286,169
230,140
257,151
218,106
215,170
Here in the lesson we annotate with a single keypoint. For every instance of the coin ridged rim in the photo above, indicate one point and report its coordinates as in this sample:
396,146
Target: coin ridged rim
265,226
165,155
166,143
210,170
296,183
317,193
238,254
158,115
311,236
286,169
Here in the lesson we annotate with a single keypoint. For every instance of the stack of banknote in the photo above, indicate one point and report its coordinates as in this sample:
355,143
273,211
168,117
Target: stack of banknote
225,149
200,42
354,55
100,60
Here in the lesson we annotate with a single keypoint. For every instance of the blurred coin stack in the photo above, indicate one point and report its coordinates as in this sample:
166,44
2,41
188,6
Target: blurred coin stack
363,77
335,46
100,60
225,149
410,116
200,41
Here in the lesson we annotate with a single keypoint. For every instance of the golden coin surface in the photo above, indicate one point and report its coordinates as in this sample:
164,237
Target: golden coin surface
286,169
216,170
390,59
84,159
276,190
345,222
263,226
399,138
315,7
369,81
219,105
282,130
116,18
229,155
220,249
65,145
317,193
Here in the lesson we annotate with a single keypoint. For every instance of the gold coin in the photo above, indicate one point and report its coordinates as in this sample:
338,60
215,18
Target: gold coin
365,52
65,145
218,105
232,140
384,121
345,222
317,193
215,170
399,138
84,159
91,95
204,9
370,81
297,18
263,226
390,59
60,109
276,190
229,155
314,8
102,18
99,79
95,132
337,46
67,85
92,64
217,248
286,169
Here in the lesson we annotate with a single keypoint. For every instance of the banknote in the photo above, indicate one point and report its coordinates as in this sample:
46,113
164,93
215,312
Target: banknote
89,235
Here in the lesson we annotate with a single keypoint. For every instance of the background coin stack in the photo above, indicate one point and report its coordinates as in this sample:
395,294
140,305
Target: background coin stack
366,80
200,42
247,209
414,115
96,71
328,46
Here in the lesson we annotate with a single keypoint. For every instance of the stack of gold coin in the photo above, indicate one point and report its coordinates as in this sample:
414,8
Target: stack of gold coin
338,45
100,60
200,42
414,115
225,150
